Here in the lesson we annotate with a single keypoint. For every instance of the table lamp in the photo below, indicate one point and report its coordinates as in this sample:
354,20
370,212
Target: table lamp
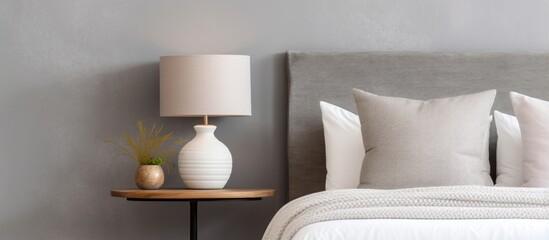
205,86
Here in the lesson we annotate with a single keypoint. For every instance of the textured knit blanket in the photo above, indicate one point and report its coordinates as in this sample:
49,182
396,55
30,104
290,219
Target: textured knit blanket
454,202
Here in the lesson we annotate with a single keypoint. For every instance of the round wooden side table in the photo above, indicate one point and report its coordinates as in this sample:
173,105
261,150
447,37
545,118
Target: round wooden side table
193,197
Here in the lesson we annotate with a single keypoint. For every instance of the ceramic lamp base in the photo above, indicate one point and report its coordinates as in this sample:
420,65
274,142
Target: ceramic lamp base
205,162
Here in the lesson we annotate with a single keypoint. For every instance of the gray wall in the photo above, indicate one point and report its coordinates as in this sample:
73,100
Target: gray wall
74,72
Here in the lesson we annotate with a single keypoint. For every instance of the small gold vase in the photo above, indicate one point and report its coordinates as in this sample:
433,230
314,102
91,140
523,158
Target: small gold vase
149,177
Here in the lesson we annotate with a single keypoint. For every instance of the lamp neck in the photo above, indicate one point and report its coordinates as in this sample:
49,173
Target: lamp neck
205,119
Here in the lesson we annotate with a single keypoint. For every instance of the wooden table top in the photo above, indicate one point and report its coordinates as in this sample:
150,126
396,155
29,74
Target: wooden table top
184,194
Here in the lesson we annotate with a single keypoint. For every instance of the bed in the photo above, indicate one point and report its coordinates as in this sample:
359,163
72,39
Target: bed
445,212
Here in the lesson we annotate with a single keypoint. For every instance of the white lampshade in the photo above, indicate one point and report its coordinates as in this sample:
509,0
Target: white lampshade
199,85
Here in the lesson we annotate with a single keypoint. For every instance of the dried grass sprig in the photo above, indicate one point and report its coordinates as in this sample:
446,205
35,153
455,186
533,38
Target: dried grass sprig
149,144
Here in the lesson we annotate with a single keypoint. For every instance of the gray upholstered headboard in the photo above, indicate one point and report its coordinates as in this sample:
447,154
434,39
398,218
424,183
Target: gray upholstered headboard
330,76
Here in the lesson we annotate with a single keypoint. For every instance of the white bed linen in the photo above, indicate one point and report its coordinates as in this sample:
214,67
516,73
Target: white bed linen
393,229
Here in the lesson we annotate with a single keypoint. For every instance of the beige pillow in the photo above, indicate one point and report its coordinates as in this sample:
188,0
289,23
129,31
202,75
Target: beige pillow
533,119
414,143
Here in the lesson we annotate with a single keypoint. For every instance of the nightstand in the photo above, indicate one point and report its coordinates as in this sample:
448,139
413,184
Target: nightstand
193,197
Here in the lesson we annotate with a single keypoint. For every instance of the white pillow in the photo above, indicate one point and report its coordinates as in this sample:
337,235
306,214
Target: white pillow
344,148
533,118
509,151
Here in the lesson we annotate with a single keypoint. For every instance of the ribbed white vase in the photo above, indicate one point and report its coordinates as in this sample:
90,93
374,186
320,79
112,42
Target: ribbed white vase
205,162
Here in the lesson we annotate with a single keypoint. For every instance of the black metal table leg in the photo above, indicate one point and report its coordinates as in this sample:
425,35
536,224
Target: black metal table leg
194,209
194,227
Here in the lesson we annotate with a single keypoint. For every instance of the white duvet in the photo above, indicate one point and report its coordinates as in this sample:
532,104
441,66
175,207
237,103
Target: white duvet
416,229
443,203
